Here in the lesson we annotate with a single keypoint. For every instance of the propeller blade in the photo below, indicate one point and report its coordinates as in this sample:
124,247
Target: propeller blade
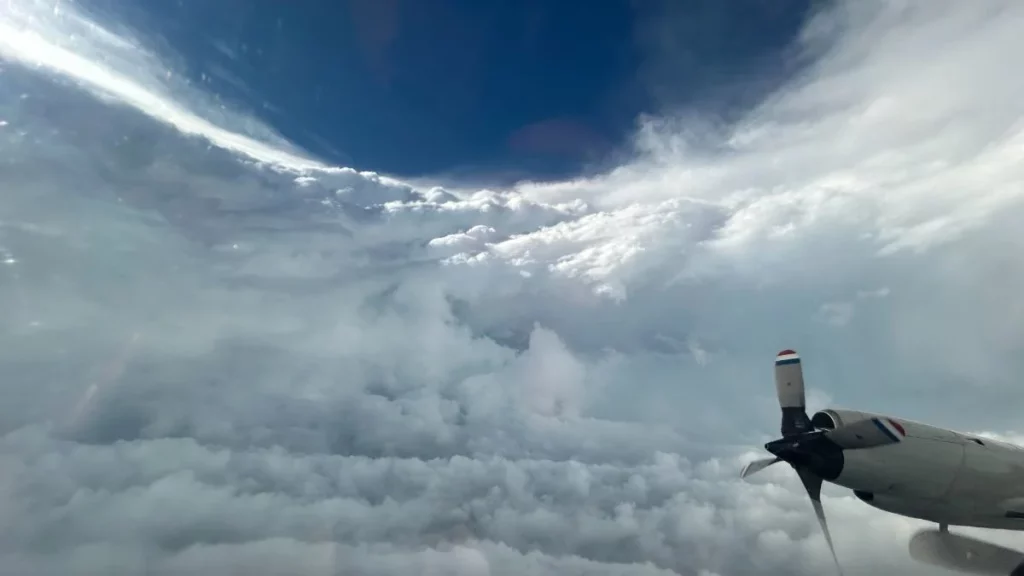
820,513
869,433
812,484
789,385
758,465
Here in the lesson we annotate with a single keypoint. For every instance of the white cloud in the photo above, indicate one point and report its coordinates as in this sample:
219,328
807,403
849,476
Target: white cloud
56,38
215,365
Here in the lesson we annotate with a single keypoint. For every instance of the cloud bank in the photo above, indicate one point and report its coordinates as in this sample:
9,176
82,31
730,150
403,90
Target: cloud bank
220,355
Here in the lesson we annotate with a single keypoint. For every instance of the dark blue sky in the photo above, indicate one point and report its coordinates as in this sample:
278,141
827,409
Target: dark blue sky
490,88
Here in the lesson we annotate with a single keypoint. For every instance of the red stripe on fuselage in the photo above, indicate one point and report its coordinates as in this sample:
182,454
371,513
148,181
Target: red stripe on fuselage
897,426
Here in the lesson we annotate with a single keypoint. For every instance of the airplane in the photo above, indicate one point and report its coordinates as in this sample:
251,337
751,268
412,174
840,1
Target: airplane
894,464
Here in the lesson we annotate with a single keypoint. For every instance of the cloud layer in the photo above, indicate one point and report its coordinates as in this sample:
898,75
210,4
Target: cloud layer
221,356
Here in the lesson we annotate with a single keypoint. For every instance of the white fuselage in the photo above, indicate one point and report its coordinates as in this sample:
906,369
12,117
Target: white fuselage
937,475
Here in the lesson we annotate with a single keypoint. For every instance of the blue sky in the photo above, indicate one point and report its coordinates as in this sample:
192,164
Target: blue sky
499,89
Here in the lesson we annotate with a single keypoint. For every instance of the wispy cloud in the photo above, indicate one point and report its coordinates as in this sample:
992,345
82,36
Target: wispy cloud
57,38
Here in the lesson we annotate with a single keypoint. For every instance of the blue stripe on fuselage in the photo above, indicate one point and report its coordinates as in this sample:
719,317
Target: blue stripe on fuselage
790,361
885,430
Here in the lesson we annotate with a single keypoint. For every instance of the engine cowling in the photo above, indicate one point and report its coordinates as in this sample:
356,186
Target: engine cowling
832,418
922,463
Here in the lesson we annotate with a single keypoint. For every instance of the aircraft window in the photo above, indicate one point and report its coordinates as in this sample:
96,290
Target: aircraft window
978,442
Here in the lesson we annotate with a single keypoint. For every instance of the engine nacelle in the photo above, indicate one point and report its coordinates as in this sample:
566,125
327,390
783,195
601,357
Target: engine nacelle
922,462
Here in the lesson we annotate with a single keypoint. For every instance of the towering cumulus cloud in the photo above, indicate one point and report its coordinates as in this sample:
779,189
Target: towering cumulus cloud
218,356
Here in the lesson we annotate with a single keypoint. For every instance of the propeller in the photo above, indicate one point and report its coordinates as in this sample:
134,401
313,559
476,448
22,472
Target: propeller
758,465
815,455
812,484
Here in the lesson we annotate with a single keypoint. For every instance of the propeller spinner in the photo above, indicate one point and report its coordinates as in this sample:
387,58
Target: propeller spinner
815,455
